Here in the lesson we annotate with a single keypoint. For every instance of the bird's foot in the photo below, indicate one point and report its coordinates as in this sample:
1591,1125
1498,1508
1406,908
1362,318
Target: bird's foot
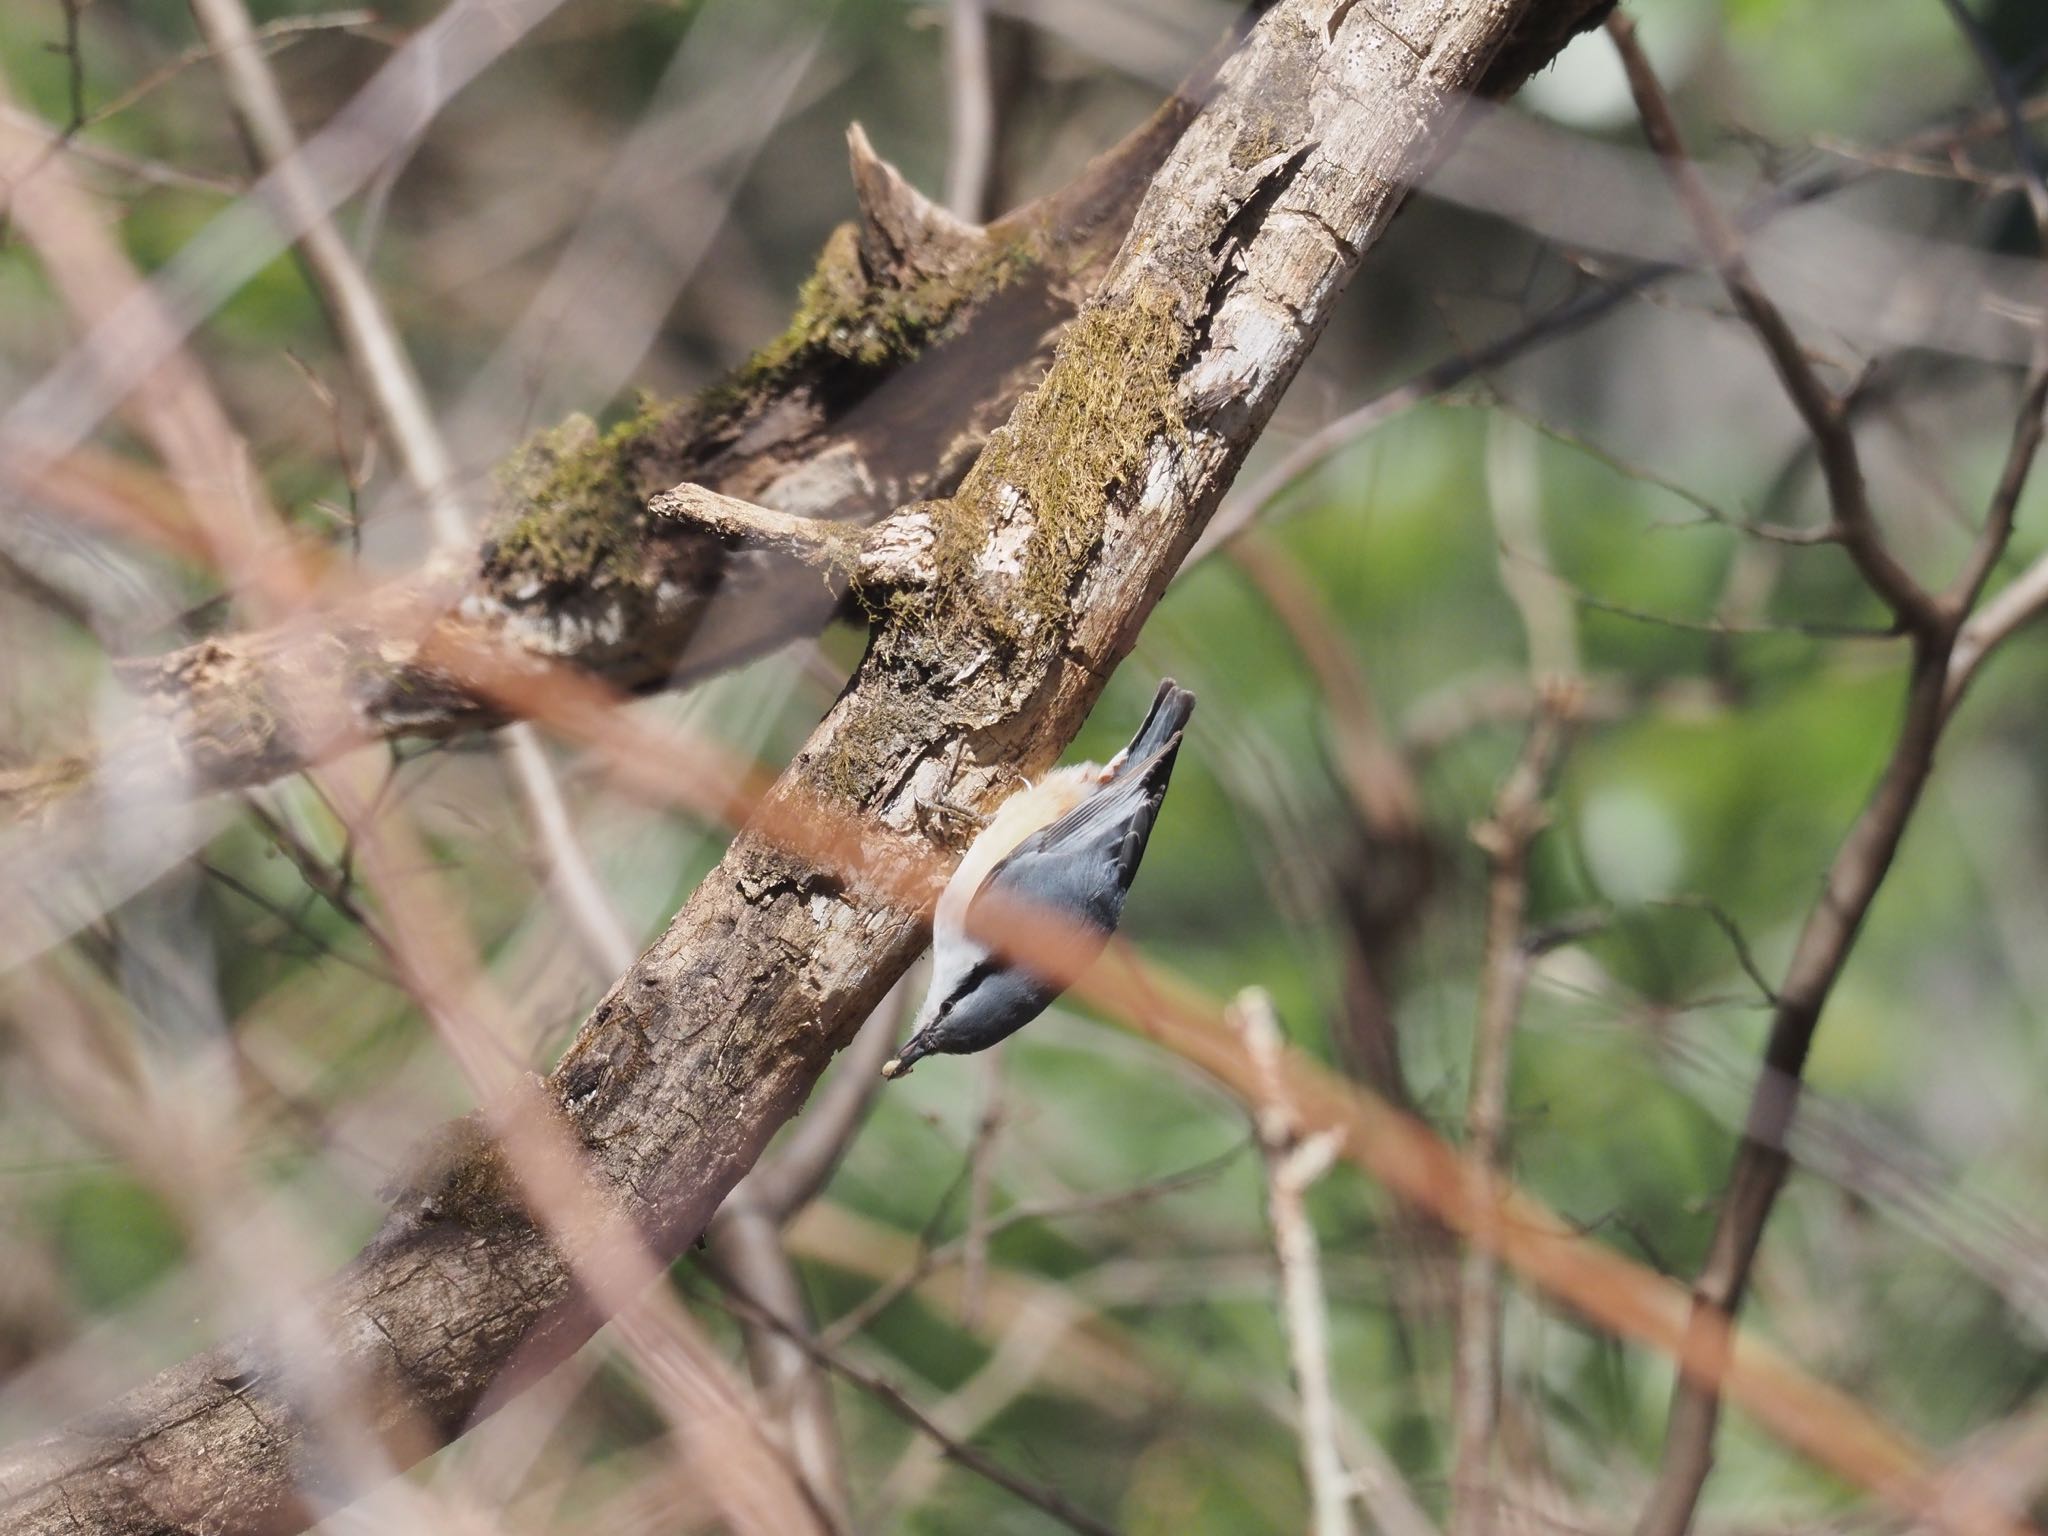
947,810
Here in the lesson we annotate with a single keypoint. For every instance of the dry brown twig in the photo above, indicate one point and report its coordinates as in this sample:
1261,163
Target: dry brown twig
1506,837
1051,1501
384,369
2012,113
971,110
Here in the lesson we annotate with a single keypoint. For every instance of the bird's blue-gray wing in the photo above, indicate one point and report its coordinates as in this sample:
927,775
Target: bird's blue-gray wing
1077,870
1081,866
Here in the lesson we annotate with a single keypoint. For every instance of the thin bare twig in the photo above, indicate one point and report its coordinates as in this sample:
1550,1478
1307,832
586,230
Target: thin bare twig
159,173
277,34
747,1251
932,1259
1518,817
1762,1162
2026,596
1294,1161
174,408
1550,623
1818,406
1737,941
1710,511
357,314
971,110
2010,106
747,1254
1379,780
981,1182
892,1397
384,367
1024,1353
1979,635
1249,506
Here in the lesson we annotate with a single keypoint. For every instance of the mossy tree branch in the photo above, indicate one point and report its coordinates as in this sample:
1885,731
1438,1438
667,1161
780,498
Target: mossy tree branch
913,337
1045,573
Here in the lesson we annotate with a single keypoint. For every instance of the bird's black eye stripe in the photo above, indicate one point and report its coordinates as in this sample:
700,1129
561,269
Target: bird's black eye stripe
974,978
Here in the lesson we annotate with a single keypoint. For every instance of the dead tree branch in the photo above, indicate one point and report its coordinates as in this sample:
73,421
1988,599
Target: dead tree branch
1293,1163
1820,408
912,339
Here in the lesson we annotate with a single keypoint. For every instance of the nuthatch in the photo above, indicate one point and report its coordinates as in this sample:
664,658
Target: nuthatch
1069,846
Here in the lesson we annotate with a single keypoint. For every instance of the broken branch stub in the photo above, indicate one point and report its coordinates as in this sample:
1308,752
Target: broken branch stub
891,555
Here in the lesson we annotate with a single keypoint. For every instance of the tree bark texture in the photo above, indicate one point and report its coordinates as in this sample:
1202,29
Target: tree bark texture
1048,558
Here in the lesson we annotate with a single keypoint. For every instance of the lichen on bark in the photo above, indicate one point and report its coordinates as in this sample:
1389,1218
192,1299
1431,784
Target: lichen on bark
1011,544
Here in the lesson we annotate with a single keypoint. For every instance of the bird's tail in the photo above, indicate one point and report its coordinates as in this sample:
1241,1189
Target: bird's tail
1172,705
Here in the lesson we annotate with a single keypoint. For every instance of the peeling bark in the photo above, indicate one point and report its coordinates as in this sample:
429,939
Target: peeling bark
1048,558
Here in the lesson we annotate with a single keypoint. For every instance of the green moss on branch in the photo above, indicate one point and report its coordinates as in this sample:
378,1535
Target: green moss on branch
849,318
575,506
1087,429
574,514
